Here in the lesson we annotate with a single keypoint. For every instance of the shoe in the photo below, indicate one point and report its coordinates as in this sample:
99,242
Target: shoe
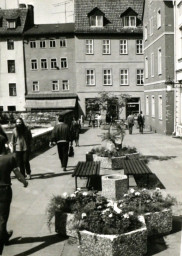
9,234
29,177
64,169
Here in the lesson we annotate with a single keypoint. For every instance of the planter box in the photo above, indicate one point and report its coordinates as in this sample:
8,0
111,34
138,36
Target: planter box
117,162
105,162
65,223
159,222
133,243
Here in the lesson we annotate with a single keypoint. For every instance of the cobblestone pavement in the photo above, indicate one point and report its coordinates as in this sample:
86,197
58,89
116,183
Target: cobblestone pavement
28,219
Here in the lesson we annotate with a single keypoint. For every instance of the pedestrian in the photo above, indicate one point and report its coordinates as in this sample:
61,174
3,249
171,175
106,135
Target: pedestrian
93,120
61,136
130,120
21,142
141,121
7,165
4,137
76,131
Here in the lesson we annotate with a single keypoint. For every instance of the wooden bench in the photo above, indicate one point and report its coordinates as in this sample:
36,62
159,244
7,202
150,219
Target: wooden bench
89,169
136,167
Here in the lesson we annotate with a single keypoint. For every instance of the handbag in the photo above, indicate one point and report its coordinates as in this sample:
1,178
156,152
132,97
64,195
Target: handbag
71,151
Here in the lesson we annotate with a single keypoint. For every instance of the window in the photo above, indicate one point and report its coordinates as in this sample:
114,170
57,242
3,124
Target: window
65,84
151,26
55,85
35,86
145,33
10,44
12,89
11,24
107,77
159,62
139,76
89,46
64,63
33,44
160,106
153,106
62,42
129,21
96,21
42,44
11,66
54,63
11,108
146,67
152,64
124,77
139,46
52,43
34,64
147,105
123,46
90,77
106,46
159,19
43,63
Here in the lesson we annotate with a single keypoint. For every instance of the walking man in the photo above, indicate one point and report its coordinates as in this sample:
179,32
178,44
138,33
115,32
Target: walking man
61,136
7,165
141,121
130,120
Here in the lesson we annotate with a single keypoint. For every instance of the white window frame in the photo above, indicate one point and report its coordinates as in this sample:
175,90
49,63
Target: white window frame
52,43
97,23
64,42
146,67
11,24
107,77
55,83
151,25
160,101
159,19
124,77
140,76
123,45
64,58
32,64
147,104
35,86
90,77
145,33
42,44
89,46
43,64
153,106
33,44
159,61
51,62
152,64
127,21
139,46
106,46
65,83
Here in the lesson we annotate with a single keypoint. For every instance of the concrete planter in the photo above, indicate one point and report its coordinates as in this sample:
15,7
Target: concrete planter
117,162
105,162
114,186
159,222
133,243
65,224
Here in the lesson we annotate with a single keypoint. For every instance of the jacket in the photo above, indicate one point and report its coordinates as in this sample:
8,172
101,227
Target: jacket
60,132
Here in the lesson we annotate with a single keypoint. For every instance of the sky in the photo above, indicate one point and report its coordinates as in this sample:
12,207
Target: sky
46,11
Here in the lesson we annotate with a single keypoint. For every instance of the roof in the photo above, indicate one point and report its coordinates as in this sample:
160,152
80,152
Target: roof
46,29
13,14
112,10
56,95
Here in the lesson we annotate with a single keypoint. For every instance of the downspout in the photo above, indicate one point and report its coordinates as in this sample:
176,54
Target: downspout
174,17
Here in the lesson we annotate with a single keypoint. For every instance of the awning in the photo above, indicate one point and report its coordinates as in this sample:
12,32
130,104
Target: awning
51,104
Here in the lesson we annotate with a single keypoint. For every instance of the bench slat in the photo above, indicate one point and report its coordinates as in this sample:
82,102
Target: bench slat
85,169
135,167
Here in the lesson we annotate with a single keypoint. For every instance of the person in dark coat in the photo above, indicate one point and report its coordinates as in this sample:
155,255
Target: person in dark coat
76,127
4,137
141,121
7,165
21,143
130,120
61,136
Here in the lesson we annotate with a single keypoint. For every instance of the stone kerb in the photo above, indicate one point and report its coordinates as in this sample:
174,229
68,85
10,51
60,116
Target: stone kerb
114,186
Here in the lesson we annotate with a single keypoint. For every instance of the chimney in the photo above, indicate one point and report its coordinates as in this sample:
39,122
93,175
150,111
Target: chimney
30,18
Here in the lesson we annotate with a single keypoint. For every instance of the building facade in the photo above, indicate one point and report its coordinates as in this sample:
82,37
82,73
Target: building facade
109,52
158,25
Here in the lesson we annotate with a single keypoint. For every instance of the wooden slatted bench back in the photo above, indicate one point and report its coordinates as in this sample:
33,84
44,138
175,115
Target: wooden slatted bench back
86,169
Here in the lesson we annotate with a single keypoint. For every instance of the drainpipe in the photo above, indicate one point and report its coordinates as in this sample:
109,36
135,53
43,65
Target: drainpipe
174,17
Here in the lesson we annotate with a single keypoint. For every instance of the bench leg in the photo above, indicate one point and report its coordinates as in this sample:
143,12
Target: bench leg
76,183
128,181
148,181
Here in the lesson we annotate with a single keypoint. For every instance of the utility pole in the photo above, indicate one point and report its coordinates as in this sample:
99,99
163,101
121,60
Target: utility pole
65,8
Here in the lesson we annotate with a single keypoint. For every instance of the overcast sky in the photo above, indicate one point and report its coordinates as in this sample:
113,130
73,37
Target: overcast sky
46,11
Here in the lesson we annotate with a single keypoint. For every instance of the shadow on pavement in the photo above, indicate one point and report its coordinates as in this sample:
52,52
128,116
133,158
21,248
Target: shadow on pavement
155,245
152,183
177,224
49,175
45,242
90,145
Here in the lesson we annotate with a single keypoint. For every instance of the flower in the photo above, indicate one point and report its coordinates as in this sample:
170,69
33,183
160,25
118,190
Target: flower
131,213
106,210
132,190
84,215
116,209
110,204
72,195
78,189
125,195
126,216
85,193
65,195
110,215
137,193
157,189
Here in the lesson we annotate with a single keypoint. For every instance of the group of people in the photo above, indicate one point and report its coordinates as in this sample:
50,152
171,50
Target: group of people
140,121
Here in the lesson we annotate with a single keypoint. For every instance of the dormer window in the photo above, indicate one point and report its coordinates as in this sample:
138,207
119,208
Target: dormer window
129,21
11,24
96,21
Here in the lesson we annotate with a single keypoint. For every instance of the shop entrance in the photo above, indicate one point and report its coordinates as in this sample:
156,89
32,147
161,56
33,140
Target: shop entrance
132,105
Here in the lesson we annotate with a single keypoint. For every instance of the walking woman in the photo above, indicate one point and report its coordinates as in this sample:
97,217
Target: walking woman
4,138
21,143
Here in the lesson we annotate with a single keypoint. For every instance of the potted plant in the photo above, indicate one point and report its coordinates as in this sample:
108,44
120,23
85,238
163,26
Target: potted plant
155,207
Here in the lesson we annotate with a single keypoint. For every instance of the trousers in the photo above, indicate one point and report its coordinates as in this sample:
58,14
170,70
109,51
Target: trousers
63,148
22,158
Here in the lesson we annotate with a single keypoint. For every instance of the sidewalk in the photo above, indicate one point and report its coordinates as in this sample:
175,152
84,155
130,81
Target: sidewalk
28,220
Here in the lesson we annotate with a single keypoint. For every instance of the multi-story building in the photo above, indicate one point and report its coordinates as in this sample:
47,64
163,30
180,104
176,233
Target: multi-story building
158,25
13,22
109,51
50,67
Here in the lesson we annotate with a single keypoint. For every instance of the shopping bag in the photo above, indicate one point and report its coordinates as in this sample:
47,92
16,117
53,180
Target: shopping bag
71,151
